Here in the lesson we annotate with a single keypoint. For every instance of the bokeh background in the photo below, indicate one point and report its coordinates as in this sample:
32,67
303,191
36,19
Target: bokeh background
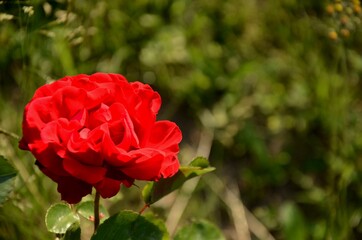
270,91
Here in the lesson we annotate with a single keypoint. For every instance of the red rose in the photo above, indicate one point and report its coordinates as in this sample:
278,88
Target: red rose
99,131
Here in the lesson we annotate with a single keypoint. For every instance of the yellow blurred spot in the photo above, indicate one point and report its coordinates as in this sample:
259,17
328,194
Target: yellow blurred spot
330,9
333,35
338,7
357,9
274,124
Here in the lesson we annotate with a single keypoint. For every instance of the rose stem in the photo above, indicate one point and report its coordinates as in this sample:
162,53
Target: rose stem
144,208
96,211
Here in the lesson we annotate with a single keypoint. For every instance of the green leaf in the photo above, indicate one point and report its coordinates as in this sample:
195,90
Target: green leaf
293,223
86,210
128,225
200,162
73,232
59,218
154,191
199,230
159,223
7,177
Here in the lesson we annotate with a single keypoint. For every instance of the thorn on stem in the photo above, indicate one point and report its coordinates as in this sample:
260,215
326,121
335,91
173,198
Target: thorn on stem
91,218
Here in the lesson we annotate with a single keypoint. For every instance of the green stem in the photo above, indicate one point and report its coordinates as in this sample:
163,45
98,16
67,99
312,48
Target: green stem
96,211
9,134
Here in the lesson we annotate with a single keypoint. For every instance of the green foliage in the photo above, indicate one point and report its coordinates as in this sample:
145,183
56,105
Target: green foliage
199,230
7,175
293,222
59,218
154,191
129,225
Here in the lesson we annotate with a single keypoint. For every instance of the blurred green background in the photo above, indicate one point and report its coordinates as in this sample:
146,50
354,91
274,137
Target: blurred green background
270,91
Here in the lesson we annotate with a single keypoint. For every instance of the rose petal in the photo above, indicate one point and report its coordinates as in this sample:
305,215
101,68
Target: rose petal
108,187
150,99
101,77
47,155
144,165
69,101
170,166
99,116
82,81
37,114
97,96
72,190
48,89
122,131
165,135
113,155
86,146
87,173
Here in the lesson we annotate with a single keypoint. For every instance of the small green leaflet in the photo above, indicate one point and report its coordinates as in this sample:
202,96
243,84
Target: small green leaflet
7,177
154,191
60,217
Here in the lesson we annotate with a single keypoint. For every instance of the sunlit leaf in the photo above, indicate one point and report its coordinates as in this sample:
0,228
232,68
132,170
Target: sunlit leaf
199,230
59,218
86,210
200,162
128,225
7,177
154,191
